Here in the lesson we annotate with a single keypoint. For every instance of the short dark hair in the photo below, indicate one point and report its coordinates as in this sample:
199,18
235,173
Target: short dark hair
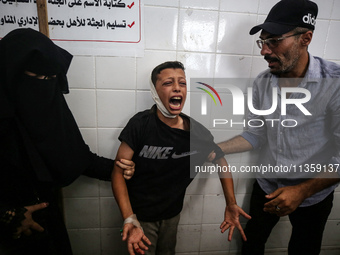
301,30
169,64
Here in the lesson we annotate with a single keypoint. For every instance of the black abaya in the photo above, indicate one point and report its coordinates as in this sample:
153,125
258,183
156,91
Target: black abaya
41,146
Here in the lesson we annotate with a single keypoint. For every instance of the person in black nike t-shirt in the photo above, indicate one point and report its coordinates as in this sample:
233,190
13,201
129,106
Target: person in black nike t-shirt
164,143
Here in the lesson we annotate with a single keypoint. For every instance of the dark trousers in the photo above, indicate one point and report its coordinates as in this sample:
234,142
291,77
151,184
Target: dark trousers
308,225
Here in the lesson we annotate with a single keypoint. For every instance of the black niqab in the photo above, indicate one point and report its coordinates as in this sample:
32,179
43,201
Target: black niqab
51,137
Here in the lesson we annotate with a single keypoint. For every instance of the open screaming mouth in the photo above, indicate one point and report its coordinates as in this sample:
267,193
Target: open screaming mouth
175,102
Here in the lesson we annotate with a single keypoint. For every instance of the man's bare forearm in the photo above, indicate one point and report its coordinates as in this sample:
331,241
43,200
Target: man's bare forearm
235,145
321,182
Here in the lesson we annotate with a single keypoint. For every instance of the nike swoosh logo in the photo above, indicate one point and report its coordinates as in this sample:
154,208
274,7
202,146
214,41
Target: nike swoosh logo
185,154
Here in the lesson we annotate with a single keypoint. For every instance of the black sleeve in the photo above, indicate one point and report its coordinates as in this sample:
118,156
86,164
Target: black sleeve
132,132
100,168
198,131
214,147
218,151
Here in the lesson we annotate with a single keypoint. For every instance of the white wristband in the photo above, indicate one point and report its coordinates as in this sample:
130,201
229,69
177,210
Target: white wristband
133,220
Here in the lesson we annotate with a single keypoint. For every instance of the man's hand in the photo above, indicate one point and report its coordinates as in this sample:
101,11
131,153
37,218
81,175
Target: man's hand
28,224
128,167
284,200
211,156
232,220
135,239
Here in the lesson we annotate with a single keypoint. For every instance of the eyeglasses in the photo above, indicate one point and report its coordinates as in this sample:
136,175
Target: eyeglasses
273,42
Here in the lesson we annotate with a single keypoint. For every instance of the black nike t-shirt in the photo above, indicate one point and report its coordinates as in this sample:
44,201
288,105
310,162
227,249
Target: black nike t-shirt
163,157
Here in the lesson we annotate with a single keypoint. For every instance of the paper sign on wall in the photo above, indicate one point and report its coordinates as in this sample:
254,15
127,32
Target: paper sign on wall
83,27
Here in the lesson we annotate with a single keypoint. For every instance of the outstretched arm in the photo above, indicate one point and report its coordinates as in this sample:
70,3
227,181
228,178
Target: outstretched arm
132,232
232,210
234,145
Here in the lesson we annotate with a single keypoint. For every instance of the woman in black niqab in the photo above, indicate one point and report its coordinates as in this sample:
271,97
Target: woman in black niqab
41,147
38,105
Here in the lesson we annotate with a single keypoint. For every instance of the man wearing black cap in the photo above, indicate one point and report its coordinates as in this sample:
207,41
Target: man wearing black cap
301,141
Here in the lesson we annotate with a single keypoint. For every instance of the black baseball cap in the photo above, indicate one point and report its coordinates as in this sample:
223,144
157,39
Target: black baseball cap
287,15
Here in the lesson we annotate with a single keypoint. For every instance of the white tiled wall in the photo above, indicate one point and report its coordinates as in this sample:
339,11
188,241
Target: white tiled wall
211,38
